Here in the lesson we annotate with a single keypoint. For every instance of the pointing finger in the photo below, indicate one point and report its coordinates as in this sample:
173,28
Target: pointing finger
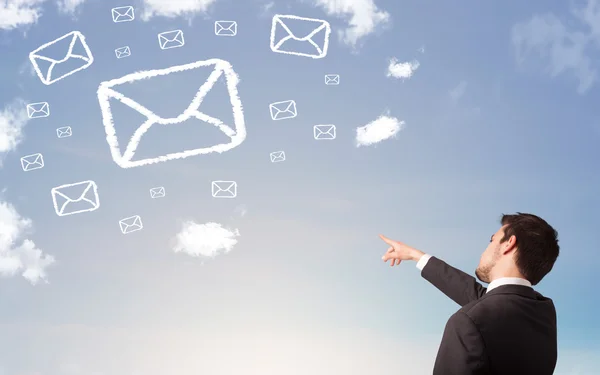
385,239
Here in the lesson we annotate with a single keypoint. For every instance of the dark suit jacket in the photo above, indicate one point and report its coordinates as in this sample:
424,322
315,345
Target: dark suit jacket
509,331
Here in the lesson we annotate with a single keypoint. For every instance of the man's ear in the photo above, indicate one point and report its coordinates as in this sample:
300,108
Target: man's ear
509,245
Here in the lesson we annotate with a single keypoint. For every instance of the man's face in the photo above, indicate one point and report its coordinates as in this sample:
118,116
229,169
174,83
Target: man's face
490,257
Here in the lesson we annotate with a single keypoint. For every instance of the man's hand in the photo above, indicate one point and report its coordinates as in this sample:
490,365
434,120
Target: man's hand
398,252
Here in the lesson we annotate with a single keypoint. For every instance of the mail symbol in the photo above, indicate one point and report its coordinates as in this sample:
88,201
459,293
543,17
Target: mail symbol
283,110
64,132
171,39
324,131
111,91
226,28
320,31
131,224
64,67
38,110
75,198
224,189
157,192
332,79
32,162
122,52
123,14
277,156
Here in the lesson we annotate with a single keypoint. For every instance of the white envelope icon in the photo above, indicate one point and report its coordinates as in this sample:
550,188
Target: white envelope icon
131,224
332,79
324,131
53,72
32,162
75,198
38,110
64,132
111,90
171,39
122,52
320,31
283,110
277,156
224,189
123,14
226,28
157,192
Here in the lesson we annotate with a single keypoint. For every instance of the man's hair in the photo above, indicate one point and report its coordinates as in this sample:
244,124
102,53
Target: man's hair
537,244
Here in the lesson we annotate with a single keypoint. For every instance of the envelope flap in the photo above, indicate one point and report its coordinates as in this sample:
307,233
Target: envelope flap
60,49
171,36
80,191
227,25
299,28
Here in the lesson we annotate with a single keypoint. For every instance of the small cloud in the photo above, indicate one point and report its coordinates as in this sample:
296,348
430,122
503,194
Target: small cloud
17,254
384,127
363,17
172,8
403,70
17,13
241,210
266,9
13,119
69,6
421,50
459,91
204,240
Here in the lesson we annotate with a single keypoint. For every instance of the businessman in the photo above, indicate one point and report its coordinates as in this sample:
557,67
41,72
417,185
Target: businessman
508,328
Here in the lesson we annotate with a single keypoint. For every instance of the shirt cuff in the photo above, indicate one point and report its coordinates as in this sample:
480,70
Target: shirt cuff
423,261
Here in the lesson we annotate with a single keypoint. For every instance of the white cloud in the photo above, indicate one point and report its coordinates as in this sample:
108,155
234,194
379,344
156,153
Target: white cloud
459,91
204,240
364,17
69,6
241,210
16,13
403,70
173,8
13,119
562,48
382,128
17,254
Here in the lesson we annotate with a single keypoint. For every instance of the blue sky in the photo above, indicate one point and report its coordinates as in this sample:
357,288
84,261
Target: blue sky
498,117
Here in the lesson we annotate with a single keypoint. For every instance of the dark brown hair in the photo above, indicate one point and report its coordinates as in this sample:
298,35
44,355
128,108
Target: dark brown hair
537,244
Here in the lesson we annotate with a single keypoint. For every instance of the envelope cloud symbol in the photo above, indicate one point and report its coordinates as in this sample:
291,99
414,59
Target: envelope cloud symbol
226,28
171,39
110,90
56,70
316,40
332,79
324,131
157,192
131,224
75,198
277,156
122,52
64,132
283,110
224,189
38,110
123,14
32,162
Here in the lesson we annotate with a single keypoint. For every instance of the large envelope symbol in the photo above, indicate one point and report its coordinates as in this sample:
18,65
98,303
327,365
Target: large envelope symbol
226,28
224,189
75,198
31,162
131,224
171,39
285,44
81,61
38,110
324,131
110,90
283,110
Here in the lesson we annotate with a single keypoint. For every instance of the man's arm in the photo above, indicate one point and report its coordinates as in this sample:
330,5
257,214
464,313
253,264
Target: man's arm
454,283
462,351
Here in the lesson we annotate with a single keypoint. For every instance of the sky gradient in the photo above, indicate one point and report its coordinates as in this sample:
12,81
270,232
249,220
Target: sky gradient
498,117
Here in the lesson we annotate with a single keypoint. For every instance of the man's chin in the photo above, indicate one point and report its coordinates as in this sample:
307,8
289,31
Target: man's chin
481,276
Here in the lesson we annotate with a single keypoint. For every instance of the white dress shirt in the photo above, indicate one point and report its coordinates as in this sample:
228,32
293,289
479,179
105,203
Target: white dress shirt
494,284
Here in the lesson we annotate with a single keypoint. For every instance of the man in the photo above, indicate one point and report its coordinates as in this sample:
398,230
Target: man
508,328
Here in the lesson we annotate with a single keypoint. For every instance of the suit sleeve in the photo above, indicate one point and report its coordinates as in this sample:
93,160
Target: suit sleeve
454,283
462,351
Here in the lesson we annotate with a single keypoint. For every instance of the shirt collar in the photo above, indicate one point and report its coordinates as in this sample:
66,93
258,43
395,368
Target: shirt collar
507,281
